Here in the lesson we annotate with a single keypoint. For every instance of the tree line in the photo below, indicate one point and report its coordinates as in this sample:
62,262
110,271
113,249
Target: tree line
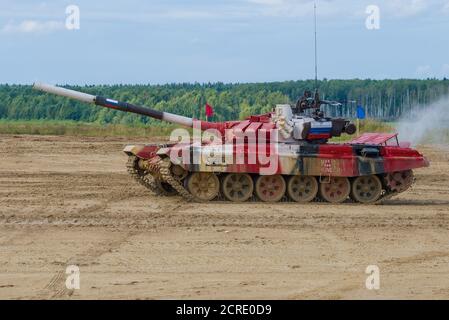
382,99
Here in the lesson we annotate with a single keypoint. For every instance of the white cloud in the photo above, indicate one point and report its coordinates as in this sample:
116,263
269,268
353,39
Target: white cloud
407,8
32,26
446,7
423,71
445,70
236,10
295,8
267,2
188,14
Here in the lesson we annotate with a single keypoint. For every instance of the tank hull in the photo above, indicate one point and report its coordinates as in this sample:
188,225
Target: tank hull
319,160
391,165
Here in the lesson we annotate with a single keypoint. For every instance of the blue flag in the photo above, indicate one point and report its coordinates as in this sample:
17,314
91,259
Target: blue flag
361,112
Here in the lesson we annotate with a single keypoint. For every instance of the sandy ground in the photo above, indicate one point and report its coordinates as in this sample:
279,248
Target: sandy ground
66,200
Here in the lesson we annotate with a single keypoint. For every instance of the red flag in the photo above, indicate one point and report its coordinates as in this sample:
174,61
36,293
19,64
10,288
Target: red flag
209,111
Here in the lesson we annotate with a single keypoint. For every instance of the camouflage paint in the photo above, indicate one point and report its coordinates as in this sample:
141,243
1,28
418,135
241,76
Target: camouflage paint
336,160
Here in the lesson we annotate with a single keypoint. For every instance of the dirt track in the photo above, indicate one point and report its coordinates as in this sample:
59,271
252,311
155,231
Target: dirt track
66,200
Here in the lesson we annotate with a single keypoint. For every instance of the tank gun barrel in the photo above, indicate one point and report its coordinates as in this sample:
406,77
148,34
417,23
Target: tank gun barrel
114,104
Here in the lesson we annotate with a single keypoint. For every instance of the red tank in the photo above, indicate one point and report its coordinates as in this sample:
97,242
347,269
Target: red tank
283,155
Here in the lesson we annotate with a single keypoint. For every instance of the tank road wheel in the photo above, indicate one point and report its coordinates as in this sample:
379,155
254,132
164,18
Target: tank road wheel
337,190
204,186
366,189
238,187
400,181
302,188
270,188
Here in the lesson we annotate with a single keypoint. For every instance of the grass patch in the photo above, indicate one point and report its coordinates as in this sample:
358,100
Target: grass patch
75,128
368,125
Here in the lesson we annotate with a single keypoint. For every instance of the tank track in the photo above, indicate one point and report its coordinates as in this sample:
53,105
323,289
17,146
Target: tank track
145,180
386,196
162,168
144,177
410,180
167,176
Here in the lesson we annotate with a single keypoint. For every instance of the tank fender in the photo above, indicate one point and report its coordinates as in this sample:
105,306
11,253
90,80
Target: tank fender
163,152
141,151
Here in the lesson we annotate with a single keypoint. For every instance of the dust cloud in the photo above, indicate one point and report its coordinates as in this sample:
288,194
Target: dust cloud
426,124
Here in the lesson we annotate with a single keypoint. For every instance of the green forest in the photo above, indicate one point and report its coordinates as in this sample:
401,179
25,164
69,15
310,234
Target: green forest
382,99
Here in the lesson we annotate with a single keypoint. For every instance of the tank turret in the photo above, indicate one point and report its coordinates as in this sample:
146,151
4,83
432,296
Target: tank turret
294,123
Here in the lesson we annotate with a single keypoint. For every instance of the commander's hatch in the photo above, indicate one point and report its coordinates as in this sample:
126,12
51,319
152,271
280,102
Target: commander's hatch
380,139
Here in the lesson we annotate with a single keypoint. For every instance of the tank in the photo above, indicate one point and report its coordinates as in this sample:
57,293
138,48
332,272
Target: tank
283,155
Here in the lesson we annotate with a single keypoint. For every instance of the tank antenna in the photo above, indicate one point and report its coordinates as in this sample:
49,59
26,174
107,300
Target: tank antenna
316,50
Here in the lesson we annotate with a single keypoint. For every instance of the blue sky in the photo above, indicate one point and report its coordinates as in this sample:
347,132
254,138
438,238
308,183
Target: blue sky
230,41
